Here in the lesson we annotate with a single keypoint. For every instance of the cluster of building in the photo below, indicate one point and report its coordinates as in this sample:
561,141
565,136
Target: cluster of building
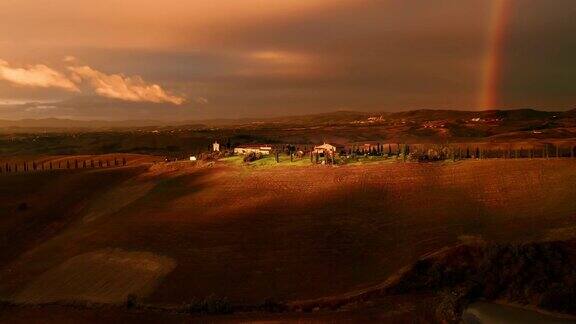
324,149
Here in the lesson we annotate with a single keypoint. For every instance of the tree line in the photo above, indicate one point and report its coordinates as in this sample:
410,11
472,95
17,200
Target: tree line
34,166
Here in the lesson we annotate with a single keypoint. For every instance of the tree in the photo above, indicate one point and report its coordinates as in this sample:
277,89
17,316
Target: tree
406,151
131,301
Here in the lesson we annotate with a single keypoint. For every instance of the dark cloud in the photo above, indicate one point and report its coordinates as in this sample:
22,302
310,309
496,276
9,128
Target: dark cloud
365,55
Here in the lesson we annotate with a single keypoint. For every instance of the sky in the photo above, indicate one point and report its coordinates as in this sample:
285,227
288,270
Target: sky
192,59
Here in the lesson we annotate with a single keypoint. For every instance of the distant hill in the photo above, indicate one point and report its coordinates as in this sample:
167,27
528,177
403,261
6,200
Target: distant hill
63,124
331,118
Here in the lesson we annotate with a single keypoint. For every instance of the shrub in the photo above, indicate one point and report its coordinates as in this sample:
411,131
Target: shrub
131,301
211,305
252,156
560,298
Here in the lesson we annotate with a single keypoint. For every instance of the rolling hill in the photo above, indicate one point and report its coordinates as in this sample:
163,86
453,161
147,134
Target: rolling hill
224,230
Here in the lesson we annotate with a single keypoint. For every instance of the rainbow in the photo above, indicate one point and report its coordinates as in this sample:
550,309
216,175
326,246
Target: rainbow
492,63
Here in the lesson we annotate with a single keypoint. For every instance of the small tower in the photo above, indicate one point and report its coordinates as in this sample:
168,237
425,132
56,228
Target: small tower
216,147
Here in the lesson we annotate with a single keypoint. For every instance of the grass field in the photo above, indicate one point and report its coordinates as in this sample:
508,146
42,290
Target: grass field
251,233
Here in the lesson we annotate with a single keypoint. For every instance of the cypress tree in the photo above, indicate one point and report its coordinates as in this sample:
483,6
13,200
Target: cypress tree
406,151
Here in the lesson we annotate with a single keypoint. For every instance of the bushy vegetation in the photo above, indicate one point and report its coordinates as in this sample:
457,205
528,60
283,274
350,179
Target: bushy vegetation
211,305
131,301
539,274
252,156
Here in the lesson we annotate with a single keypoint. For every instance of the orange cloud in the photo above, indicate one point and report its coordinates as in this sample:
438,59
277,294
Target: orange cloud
36,76
118,86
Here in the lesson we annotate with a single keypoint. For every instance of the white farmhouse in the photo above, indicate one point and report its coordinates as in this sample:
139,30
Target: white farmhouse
246,149
325,149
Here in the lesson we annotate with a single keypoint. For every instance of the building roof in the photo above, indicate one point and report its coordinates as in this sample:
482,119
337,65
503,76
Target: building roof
255,146
327,146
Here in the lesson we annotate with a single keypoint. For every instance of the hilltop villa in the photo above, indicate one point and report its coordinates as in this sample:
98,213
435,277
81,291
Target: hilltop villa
326,149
